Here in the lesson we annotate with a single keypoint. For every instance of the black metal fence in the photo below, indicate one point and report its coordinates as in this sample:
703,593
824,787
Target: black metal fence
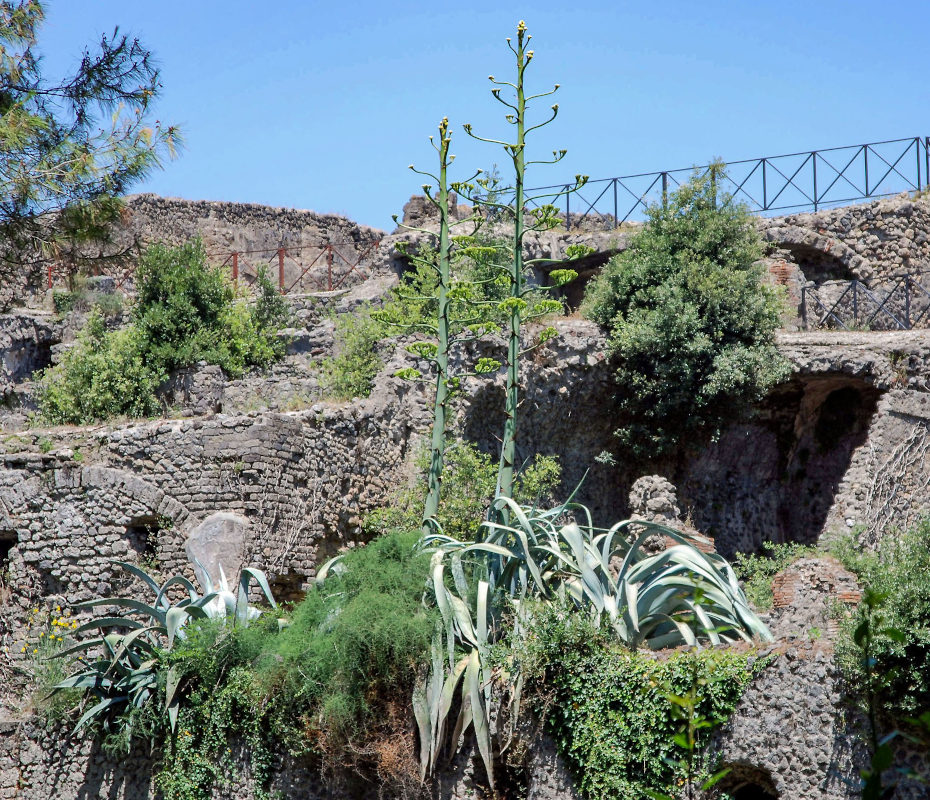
791,182
900,303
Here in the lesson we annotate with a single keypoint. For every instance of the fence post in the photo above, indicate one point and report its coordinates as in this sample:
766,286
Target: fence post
907,302
329,265
814,160
235,269
765,196
865,160
664,190
804,325
281,269
927,159
917,153
568,216
616,208
855,285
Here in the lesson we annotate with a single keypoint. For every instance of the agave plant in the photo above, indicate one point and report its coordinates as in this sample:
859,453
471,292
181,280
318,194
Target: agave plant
120,670
228,606
678,596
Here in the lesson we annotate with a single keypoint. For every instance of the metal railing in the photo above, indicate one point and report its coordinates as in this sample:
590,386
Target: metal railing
324,266
900,303
794,181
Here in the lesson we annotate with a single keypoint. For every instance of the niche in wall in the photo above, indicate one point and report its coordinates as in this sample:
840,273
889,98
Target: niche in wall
775,477
142,536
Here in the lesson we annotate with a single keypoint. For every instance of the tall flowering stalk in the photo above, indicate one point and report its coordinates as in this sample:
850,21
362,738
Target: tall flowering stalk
542,217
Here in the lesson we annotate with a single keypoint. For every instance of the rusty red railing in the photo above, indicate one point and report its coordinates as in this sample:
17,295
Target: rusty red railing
323,266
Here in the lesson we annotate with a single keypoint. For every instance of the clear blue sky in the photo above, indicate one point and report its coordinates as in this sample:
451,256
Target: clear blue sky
322,105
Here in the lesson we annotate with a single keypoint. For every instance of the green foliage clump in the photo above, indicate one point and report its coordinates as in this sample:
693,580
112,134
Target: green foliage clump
690,319
468,483
354,644
609,709
350,372
79,297
756,571
185,312
897,575
105,375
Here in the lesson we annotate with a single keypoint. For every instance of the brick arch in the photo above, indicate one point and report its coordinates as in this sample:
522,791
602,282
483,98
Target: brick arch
809,246
74,522
121,481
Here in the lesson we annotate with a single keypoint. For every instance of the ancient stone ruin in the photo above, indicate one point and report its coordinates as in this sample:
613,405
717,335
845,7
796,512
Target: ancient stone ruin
261,470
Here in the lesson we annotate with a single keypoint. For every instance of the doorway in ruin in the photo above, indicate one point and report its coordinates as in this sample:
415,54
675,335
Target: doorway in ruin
744,782
774,478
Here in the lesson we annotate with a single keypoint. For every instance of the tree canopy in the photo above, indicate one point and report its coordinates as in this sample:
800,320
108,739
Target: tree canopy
690,318
69,147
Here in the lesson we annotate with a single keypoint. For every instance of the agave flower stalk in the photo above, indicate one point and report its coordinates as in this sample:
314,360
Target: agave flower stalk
544,217
447,326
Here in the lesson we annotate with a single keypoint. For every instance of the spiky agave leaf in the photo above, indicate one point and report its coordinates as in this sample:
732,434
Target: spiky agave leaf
679,596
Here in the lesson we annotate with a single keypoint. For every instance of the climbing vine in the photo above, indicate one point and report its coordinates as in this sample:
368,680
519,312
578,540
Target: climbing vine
611,710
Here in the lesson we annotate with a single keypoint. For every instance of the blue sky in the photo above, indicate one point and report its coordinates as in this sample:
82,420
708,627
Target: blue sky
323,105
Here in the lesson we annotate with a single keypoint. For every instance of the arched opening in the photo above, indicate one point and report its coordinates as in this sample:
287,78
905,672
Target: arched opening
818,265
142,536
774,479
746,782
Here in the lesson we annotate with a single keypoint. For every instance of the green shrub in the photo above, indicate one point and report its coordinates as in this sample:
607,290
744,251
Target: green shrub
756,571
350,371
185,312
332,682
898,574
65,301
106,374
690,319
354,644
468,485
608,708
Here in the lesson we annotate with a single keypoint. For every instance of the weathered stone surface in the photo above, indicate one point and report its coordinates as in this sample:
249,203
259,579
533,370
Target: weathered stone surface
218,542
845,442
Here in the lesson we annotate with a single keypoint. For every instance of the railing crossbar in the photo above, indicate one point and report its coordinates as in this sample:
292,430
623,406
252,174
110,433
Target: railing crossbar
893,167
841,173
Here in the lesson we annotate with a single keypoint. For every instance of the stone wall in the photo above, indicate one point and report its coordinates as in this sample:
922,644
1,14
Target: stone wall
870,241
843,443
839,446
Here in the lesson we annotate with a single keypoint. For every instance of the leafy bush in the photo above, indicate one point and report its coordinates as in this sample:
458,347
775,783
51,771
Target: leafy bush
608,708
81,298
468,484
691,321
185,312
756,571
350,371
898,576
106,374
